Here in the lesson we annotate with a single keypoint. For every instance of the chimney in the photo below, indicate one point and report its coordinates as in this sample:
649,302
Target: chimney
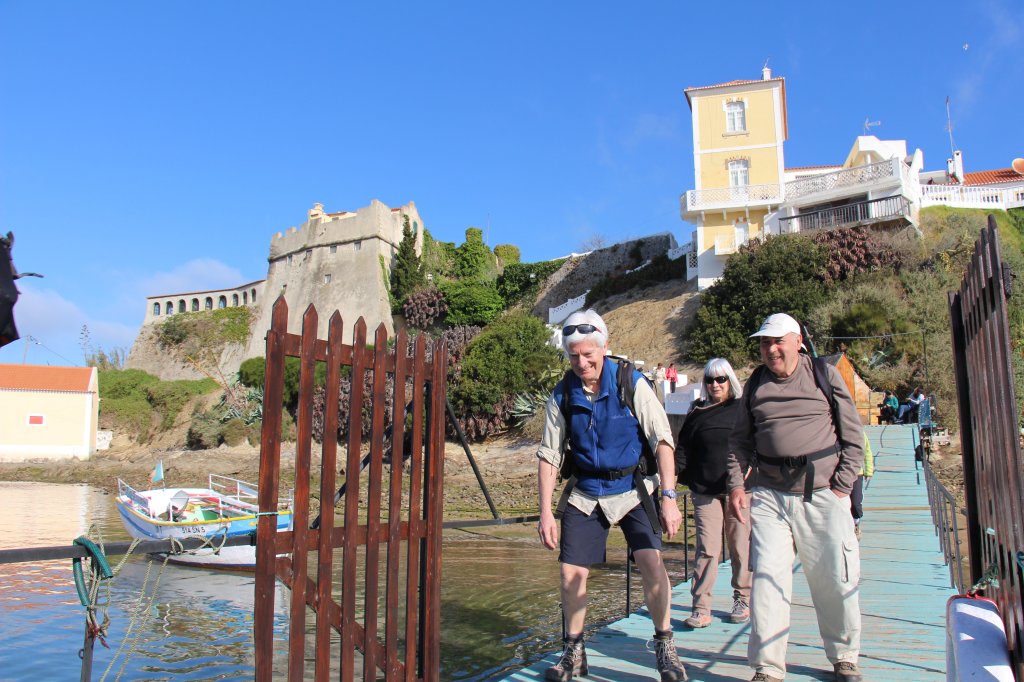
958,165
766,73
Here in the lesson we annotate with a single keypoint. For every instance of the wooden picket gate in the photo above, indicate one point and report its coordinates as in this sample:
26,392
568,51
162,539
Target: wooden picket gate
989,436
406,524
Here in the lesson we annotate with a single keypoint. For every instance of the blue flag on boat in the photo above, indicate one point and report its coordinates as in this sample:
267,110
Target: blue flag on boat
158,472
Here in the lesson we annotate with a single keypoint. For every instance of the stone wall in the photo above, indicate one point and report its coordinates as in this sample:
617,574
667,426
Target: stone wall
582,272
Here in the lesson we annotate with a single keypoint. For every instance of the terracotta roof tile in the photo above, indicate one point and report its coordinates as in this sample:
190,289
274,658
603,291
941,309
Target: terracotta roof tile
735,82
992,177
45,378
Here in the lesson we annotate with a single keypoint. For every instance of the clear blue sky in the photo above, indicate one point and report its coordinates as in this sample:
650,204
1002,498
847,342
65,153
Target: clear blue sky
151,148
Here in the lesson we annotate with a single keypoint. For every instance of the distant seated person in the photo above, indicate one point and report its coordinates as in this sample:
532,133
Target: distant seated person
889,406
908,409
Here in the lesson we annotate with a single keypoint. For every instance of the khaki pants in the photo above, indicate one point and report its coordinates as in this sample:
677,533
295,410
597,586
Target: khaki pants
710,513
821,532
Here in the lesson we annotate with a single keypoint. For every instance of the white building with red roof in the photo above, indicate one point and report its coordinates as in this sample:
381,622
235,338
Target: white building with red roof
47,412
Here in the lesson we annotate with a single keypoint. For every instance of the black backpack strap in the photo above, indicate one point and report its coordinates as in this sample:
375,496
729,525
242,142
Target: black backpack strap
826,387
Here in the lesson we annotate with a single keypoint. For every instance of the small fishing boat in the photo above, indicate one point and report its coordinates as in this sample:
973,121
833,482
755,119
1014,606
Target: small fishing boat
226,508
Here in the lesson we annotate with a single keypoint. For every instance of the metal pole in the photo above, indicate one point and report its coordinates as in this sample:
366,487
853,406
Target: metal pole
86,653
469,456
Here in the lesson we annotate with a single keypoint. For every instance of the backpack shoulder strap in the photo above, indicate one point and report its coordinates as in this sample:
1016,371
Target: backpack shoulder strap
826,387
562,391
627,378
752,383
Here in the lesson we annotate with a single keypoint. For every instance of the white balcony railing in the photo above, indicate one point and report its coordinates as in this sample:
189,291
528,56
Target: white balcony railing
959,196
844,179
725,245
732,197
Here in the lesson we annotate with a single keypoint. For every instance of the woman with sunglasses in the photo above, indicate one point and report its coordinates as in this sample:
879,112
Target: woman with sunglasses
701,451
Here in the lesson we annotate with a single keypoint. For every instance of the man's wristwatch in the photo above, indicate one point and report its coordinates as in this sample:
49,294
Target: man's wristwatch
670,494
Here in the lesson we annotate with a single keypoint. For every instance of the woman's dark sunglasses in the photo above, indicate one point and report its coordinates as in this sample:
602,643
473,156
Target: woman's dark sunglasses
571,329
715,380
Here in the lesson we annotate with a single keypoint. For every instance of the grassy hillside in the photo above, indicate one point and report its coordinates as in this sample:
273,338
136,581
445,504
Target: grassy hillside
891,289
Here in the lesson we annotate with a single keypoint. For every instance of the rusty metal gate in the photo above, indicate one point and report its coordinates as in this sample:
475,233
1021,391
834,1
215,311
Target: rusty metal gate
397,635
993,473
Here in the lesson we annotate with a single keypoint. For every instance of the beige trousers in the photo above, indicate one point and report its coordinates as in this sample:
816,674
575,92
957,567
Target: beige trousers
821,533
710,513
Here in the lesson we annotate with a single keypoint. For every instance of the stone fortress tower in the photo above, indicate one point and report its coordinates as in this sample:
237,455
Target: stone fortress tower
336,261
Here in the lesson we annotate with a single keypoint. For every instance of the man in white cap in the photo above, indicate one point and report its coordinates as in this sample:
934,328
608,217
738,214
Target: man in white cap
802,437
606,438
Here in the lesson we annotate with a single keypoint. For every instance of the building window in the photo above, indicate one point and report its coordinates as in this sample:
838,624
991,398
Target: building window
156,309
290,259
208,303
36,420
334,248
245,298
181,305
327,278
735,117
195,305
253,295
222,302
739,173
234,299
742,232
358,246
170,308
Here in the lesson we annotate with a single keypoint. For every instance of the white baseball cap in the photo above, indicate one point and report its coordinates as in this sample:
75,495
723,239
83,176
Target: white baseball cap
777,326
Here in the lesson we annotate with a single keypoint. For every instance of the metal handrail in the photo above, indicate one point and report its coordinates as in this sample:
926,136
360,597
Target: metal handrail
884,208
945,517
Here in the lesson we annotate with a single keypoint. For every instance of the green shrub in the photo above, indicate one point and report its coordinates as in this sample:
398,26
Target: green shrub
123,383
438,258
407,273
510,356
234,432
781,274
507,254
516,283
168,397
471,302
473,260
204,433
124,401
252,373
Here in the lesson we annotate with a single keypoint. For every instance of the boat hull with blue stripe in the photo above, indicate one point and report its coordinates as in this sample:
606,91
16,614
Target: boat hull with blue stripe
226,508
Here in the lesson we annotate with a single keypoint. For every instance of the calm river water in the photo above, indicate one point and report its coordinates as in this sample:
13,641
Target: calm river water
499,602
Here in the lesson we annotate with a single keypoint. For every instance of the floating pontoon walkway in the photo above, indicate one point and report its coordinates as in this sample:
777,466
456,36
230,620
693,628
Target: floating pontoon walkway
904,587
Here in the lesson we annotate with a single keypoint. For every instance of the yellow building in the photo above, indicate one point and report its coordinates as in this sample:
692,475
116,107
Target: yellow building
47,412
739,129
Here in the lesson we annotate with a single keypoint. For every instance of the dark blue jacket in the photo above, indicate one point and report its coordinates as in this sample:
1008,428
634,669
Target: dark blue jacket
604,435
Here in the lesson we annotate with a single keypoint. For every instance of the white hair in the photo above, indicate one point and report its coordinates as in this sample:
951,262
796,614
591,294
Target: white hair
599,336
720,367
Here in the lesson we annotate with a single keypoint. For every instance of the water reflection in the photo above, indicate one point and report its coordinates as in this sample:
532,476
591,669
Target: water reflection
500,604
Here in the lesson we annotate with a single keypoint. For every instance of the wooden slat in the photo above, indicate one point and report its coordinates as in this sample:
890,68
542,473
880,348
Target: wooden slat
266,525
372,574
414,547
328,481
349,555
434,506
393,667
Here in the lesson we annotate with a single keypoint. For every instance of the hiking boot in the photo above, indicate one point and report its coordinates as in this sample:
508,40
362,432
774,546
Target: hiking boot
765,677
740,611
669,665
573,662
847,671
698,619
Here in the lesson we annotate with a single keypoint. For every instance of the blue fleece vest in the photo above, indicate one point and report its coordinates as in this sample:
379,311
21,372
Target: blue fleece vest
604,435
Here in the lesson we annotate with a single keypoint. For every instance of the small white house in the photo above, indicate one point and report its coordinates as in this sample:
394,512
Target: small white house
47,412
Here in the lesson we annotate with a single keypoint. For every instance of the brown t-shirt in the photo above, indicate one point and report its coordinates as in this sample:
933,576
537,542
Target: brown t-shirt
791,417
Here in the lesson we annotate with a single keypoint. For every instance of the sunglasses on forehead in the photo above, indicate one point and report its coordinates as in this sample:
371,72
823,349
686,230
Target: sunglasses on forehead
715,380
571,329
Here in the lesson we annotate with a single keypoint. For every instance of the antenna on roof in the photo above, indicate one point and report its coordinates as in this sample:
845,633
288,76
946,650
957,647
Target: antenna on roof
766,73
949,128
869,124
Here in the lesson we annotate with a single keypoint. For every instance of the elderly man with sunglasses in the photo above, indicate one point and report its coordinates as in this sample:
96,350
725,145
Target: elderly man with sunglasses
606,440
800,431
